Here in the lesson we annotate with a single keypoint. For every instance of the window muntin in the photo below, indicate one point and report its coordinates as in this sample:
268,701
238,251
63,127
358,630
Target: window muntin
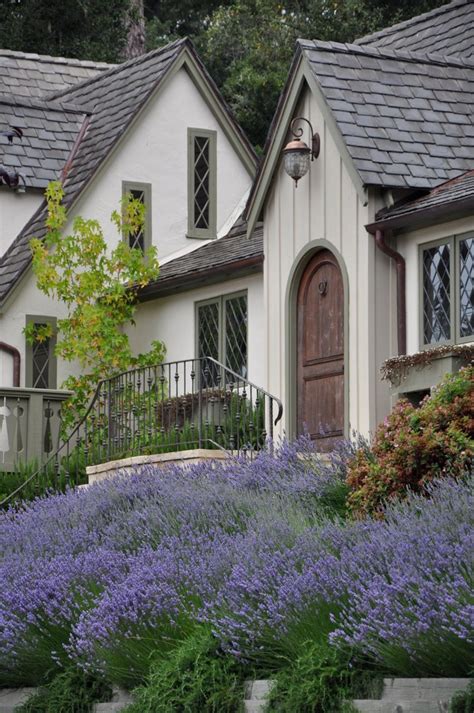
466,287
222,331
202,204
447,291
141,239
437,294
40,362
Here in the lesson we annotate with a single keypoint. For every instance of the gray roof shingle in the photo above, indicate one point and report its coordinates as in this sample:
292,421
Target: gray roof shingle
407,119
114,97
34,75
228,257
449,197
49,131
447,30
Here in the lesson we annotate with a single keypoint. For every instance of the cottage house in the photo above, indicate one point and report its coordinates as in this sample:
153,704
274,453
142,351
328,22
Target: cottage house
304,288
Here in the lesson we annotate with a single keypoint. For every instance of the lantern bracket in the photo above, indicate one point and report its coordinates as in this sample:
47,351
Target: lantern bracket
298,131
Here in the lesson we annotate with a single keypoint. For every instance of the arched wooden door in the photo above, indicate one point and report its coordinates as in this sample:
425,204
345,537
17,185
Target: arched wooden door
320,347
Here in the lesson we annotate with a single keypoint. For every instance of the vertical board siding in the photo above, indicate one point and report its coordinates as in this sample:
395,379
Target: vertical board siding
327,206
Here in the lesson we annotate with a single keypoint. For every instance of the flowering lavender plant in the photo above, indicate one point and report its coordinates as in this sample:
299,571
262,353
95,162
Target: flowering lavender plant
111,575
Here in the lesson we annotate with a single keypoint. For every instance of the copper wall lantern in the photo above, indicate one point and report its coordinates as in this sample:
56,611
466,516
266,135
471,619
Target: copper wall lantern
297,153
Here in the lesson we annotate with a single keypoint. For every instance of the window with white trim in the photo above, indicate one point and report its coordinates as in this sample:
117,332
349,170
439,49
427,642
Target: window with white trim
222,331
141,239
202,183
447,291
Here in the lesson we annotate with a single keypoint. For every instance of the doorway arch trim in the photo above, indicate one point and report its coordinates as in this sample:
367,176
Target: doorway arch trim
294,278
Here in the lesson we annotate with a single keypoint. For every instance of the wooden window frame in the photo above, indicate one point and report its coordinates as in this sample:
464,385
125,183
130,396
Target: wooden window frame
221,301
210,232
127,187
52,366
454,283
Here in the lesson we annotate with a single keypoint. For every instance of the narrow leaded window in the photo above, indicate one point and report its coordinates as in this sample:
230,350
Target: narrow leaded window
437,294
447,280
201,183
466,287
141,239
40,367
222,331
236,334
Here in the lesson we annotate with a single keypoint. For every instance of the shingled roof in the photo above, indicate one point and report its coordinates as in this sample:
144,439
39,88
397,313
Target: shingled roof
447,30
407,119
49,132
114,99
226,258
453,198
34,75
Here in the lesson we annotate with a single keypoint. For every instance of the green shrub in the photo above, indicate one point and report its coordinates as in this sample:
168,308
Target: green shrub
71,691
321,680
194,677
413,446
463,701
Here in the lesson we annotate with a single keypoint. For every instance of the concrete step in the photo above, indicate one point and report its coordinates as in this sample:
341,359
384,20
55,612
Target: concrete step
434,689
401,706
12,697
120,700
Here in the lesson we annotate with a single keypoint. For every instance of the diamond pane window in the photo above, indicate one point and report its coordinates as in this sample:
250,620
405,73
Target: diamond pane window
222,334
40,359
236,334
201,183
466,287
41,355
437,294
141,239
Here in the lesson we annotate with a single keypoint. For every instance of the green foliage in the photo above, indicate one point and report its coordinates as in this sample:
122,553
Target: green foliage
463,701
89,29
413,446
320,680
194,677
97,286
72,691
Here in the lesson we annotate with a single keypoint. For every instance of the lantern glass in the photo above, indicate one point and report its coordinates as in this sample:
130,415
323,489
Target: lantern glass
297,163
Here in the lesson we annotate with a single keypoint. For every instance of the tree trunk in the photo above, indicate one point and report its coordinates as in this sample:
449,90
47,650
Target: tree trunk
135,45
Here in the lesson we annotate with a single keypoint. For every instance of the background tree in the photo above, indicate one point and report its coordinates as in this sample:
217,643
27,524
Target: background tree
246,44
98,288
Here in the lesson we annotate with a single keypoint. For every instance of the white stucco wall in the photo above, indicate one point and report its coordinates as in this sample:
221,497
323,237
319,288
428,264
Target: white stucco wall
15,210
326,206
408,245
155,152
172,320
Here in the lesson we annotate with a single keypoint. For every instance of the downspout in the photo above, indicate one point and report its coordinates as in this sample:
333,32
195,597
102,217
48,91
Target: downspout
401,287
16,361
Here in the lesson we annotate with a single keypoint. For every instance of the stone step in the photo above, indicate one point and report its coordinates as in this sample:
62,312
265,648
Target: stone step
120,700
257,690
435,689
10,698
401,706
254,706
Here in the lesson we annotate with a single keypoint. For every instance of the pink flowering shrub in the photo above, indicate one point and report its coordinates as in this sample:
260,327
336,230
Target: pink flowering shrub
413,446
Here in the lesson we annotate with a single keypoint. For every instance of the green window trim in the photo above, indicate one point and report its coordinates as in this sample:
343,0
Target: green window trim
226,335
202,183
141,191
455,290
37,377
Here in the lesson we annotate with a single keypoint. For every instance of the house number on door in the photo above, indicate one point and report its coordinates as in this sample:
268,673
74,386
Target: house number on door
323,287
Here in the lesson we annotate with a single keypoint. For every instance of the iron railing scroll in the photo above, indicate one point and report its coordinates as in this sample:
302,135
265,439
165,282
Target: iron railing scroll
170,407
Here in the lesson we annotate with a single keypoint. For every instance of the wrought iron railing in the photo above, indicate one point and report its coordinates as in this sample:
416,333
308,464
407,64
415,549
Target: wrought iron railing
171,407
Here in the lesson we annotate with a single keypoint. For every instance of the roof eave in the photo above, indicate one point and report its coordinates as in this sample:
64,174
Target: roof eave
209,276
425,217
